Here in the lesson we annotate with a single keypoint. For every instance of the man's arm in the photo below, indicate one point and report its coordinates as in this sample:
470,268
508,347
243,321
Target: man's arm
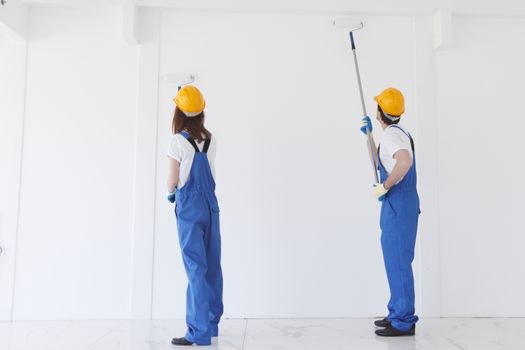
374,151
403,163
366,126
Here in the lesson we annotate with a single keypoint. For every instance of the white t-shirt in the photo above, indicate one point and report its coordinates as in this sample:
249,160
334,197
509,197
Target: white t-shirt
392,141
182,151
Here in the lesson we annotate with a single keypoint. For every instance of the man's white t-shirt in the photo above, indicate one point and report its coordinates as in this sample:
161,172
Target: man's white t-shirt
182,151
392,141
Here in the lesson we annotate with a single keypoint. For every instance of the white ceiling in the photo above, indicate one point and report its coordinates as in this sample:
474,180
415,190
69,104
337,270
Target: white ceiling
474,7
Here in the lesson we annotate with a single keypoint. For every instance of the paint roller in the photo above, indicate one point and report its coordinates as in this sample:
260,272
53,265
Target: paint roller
180,79
352,25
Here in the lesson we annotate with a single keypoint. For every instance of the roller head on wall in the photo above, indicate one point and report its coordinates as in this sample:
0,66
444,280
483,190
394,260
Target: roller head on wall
189,99
347,23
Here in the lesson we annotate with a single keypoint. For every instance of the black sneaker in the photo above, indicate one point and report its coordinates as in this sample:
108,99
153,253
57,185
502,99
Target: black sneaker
181,342
390,331
382,323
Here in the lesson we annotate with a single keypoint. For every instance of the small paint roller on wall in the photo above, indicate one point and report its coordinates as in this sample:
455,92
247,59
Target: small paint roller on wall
351,25
180,79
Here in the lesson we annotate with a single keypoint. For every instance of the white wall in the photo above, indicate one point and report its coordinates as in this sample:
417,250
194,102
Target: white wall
96,237
12,90
299,224
480,105
74,239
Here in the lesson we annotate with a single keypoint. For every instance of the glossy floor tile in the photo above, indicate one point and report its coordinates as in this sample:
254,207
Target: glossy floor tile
157,335
333,334
53,335
294,334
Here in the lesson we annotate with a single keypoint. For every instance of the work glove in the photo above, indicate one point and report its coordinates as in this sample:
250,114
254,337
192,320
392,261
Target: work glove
380,192
366,125
171,197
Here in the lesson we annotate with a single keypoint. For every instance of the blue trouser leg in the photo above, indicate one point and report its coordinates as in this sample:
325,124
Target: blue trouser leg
214,273
398,252
197,298
390,305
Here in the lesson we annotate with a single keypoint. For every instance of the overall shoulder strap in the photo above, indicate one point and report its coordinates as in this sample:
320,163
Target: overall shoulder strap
190,140
206,145
406,133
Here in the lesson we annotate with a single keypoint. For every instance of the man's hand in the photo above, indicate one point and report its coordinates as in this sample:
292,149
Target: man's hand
366,125
380,191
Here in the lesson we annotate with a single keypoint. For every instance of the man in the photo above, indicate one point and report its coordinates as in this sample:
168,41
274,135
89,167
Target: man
399,211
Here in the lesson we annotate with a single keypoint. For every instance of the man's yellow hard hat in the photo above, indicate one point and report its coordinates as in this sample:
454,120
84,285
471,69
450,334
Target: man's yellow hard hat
391,101
189,100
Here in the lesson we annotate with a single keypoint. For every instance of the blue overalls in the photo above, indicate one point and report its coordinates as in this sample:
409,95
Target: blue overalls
197,212
399,218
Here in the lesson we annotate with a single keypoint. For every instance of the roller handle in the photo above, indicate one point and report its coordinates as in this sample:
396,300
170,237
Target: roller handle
368,136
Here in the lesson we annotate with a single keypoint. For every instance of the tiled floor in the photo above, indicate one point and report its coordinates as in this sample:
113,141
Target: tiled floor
297,334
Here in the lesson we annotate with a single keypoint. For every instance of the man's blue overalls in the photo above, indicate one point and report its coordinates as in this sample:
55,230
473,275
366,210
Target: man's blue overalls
399,217
197,212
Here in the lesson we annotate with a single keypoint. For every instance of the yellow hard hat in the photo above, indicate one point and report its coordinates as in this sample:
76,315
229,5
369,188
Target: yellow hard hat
190,101
391,101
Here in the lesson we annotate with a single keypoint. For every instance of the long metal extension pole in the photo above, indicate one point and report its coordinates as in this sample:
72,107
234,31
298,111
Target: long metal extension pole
371,149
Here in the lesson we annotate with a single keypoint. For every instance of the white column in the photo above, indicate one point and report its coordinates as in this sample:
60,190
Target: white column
145,166
428,176
442,29
12,91
129,24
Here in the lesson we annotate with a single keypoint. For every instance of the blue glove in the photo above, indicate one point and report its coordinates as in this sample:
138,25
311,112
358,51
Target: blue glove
380,192
171,197
366,125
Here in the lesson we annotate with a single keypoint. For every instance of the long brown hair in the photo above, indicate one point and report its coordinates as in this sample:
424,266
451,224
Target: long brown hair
193,125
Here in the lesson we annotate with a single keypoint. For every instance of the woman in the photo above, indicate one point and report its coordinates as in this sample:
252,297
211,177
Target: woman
191,185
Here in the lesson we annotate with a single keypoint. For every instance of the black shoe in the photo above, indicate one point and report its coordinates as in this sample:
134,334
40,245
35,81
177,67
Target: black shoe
382,323
181,341
390,331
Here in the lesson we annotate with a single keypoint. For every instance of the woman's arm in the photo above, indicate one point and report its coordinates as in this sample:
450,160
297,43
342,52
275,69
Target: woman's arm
173,174
403,163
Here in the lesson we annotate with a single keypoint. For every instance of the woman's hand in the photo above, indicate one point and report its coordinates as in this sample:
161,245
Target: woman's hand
173,178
